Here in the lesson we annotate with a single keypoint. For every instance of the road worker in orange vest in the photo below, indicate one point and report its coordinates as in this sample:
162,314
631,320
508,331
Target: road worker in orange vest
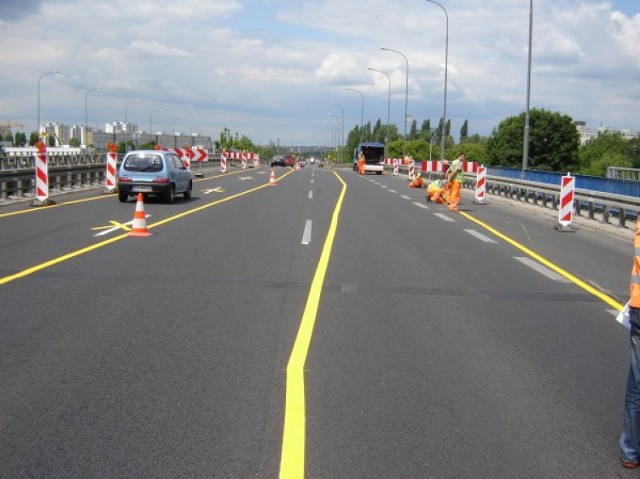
455,176
630,437
417,182
435,192
361,162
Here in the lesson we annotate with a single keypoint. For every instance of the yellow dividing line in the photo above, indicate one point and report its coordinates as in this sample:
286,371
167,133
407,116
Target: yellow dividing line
610,301
60,259
293,441
101,197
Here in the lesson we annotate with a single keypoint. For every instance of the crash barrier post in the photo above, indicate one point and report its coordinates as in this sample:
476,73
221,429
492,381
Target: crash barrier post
481,185
565,208
412,167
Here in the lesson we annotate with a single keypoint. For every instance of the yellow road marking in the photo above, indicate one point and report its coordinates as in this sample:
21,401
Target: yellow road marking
578,282
93,198
60,259
293,441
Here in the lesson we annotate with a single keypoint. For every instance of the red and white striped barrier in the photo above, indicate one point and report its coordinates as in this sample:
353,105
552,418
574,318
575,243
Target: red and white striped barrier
223,162
396,161
412,171
112,156
243,159
481,185
565,210
256,159
42,173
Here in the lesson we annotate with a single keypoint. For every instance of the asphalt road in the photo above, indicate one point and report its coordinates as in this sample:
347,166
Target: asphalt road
446,345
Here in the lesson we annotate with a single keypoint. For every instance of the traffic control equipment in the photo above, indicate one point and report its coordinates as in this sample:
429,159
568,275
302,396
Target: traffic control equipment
272,178
42,177
110,181
565,208
139,226
481,185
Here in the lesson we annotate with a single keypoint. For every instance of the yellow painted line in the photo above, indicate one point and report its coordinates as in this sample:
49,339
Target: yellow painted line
94,198
293,441
562,272
57,205
60,259
120,225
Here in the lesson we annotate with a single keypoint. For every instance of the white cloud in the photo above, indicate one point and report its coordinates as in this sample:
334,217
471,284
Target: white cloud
270,68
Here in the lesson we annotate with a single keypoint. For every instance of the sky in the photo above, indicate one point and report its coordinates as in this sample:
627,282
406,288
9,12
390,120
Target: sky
278,70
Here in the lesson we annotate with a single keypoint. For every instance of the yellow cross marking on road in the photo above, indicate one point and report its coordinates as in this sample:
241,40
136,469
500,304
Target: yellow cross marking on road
114,226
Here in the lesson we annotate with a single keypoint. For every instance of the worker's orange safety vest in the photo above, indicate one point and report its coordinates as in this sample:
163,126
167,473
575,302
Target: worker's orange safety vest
634,289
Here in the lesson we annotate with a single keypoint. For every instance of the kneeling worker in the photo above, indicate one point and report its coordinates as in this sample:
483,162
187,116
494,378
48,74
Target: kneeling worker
435,192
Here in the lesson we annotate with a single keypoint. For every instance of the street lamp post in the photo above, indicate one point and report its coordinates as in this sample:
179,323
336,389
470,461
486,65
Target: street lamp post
341,126
40,78
525,143
151,120
446,62
125,110
406,97
361,111
388,104
86,114
175,138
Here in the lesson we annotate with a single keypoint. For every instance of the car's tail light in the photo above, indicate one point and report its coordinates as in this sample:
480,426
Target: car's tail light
162,180
124,179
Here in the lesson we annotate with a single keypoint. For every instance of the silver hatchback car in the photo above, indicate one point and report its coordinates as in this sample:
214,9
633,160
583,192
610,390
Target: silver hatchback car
153,172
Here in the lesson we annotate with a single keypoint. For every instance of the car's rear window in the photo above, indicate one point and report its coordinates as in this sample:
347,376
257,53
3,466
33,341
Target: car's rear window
143,163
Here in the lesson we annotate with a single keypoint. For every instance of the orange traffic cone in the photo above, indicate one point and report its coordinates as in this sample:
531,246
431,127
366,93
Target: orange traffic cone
139,226
272,179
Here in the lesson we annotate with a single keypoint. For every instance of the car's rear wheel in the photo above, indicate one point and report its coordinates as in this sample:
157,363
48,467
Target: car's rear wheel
170,195
187,194
123,197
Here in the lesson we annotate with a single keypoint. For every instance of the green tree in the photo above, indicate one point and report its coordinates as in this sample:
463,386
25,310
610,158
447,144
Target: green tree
553,142
51,141
20,139
607,149
413,131
425,130
74,142
464,131
33,138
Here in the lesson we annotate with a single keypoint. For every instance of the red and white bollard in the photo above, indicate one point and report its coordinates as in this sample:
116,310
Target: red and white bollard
256,160
223,162
42,176
395,166
112,157
412,171
565,208
481,185
244,160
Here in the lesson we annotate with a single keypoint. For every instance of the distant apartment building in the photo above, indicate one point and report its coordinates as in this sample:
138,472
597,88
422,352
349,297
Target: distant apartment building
119,132
588,134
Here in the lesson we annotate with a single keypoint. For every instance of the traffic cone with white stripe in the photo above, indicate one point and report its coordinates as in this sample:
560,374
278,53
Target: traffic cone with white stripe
139,226
272,179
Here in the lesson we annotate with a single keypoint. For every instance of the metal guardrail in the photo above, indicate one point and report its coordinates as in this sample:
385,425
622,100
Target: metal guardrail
595,205
17,179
